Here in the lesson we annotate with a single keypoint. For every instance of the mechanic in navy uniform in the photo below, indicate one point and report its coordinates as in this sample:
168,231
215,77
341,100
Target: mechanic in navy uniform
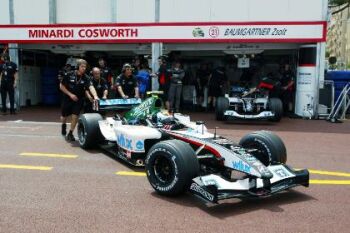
126,83
287,89
101,87
106,72
9,79
74,85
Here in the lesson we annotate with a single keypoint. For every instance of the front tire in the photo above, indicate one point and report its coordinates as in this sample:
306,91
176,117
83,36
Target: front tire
222,104
170,166
89,131
270,148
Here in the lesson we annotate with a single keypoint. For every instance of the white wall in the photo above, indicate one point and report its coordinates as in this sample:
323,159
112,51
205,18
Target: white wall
131,11
31,11
4,12
83,11
241,10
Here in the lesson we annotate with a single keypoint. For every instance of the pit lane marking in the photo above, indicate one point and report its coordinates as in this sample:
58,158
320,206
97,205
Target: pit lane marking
332,182
65,156
126,173
25,167
319,172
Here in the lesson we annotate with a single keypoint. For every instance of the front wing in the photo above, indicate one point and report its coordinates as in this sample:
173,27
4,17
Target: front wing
262,115
214,188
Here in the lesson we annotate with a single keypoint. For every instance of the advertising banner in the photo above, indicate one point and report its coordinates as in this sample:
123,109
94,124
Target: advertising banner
166,32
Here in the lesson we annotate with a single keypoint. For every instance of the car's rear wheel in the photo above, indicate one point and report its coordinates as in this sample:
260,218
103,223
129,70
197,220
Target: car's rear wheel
170,166
89,133
276,107
222,104
269,148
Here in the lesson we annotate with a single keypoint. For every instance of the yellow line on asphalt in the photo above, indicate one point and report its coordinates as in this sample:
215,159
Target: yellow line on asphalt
329,173
125,173
65,156
342,182
25,167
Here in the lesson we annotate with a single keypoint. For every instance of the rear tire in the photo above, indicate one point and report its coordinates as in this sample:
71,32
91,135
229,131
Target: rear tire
222,104
270,148
170,166
89,133
276,106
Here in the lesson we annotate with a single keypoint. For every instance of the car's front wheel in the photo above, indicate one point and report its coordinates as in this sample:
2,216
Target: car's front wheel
222,104
276,106
170,166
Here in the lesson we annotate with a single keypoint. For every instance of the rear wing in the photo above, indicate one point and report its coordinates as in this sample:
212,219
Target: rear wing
117,104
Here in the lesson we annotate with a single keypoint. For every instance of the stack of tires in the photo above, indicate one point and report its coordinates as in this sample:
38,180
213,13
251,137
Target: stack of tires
50,87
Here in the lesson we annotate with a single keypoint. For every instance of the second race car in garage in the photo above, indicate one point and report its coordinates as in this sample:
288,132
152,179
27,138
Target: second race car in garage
250,104
180,155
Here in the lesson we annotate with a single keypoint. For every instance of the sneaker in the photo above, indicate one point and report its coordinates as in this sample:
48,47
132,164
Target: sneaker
70,137
64,129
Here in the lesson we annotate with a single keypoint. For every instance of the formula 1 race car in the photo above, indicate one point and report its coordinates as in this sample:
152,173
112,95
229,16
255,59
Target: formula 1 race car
180,155
253,104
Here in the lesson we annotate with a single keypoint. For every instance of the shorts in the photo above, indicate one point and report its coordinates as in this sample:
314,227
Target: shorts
70,107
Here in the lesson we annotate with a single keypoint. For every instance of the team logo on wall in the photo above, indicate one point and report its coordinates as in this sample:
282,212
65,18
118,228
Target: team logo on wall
198,32
214,32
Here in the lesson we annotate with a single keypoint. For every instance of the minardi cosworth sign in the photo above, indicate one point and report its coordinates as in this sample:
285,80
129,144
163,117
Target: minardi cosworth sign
165,32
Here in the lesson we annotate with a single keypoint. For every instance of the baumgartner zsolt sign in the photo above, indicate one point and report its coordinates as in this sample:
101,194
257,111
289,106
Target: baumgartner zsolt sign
287,32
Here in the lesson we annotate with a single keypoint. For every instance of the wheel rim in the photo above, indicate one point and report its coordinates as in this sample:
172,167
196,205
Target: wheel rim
81,133
163,170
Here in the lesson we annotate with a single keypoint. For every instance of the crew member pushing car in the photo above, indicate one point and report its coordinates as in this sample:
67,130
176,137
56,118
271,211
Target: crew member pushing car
101,87
74,85
126,83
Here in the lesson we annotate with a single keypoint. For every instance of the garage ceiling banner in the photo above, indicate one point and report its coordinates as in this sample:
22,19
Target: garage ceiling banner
256,32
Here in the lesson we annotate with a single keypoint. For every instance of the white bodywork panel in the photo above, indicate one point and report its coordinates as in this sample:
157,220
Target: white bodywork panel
128,137
279,173
132,137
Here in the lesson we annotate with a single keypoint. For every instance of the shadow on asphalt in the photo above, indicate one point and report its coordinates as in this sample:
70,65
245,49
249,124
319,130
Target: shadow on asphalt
234,207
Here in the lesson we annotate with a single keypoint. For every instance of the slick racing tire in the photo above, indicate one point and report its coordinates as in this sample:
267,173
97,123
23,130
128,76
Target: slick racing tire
222,104
269,148
170,166
276,106
89,133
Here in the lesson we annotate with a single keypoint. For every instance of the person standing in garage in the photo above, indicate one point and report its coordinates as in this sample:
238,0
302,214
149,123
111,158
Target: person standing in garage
216,86
164,79
126,83
8,80
203,74
175,89
74,85
287,89
106,72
